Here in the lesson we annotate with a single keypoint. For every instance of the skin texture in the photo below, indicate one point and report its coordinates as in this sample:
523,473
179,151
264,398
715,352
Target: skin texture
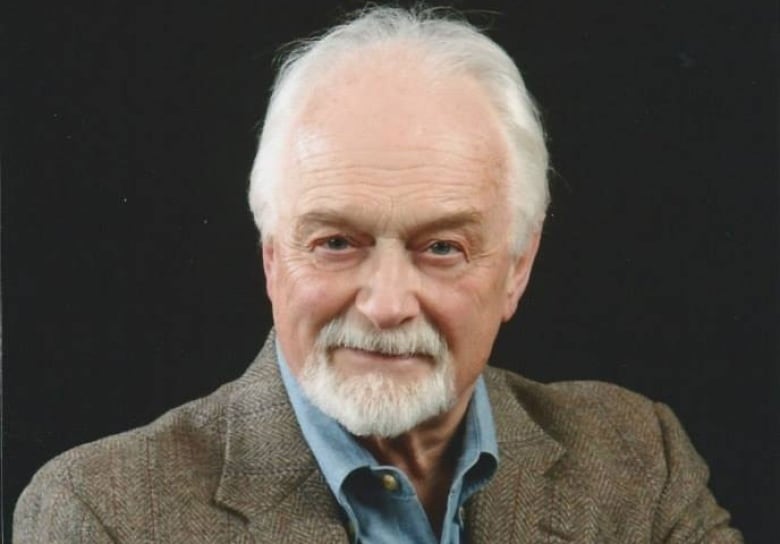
393,208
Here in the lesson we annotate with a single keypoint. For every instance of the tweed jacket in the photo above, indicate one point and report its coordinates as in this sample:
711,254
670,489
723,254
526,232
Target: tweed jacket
579,462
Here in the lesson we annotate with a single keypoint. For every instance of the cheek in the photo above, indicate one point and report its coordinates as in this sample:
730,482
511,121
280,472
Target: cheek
469,313
474,297
310,296
305,299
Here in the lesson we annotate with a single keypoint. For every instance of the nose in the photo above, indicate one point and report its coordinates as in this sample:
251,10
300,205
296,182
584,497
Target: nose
387,296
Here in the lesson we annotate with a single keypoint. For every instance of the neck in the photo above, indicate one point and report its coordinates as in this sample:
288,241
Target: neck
427,454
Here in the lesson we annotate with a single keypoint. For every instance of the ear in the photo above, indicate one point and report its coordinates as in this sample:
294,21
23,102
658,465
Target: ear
519,274
267,246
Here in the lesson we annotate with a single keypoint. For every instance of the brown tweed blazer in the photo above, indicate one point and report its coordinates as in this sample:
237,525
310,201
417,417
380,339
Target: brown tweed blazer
580,462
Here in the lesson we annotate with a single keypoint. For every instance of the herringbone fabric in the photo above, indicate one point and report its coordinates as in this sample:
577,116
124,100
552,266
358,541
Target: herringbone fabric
580,462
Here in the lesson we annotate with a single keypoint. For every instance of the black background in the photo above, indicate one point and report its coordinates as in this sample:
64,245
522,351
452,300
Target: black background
131,274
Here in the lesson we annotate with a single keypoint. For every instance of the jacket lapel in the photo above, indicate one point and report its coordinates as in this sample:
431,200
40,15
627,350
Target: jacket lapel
269,474
528,499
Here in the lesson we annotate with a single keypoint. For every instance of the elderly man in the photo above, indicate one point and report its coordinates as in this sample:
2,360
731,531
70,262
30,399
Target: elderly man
400,189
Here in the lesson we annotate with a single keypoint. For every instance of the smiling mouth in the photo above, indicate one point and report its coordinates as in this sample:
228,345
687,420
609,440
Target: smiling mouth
370,356
384,354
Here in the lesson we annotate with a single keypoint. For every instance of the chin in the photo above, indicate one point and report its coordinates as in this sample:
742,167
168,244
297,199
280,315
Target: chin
377,403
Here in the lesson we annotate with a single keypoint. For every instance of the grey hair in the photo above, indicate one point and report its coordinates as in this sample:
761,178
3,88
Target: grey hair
457,48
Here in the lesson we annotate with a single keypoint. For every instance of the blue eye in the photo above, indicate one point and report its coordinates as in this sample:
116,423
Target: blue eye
442,248
337,243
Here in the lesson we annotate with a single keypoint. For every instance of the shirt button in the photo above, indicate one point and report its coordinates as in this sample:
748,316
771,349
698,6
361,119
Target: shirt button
389,482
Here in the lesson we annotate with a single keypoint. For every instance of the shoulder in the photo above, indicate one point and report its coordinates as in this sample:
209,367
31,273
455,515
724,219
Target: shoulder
118,477
628,455
587,402
186,442
190,434
160,481
598,420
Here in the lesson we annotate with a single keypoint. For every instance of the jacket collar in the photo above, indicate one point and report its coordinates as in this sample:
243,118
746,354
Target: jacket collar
525,501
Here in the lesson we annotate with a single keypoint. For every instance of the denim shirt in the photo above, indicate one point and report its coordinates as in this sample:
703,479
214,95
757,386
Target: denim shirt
379,502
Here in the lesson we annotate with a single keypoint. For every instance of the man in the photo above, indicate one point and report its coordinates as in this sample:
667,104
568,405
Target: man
399,188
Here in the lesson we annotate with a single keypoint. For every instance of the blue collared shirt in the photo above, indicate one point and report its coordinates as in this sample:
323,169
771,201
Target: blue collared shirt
379,502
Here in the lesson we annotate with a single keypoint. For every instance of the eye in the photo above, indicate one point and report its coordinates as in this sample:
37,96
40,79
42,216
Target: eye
443,248
336,243
336,251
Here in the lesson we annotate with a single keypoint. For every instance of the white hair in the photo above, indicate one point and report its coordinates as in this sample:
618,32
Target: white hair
456,48
376,403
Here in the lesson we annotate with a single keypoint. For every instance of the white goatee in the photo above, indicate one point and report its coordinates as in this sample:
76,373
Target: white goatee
375,403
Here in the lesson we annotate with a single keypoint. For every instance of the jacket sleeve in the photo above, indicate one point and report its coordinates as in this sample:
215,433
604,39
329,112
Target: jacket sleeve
687,512
49,511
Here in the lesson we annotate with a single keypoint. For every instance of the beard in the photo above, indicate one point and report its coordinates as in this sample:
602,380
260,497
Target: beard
374,403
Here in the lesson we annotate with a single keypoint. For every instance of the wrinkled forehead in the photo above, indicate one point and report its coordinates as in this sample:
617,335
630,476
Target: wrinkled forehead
389,107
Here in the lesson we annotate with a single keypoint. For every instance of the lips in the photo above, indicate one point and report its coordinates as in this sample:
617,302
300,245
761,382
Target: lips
384,354
363,357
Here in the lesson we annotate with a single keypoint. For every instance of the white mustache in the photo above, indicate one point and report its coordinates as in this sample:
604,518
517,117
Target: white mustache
419,338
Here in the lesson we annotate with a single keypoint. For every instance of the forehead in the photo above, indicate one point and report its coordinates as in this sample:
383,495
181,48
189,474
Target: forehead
383,130
391,98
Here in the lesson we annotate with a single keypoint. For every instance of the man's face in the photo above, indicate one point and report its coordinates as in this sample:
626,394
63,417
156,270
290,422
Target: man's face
393,215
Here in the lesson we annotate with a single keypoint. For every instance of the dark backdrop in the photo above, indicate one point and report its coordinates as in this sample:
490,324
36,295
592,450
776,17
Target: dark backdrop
131,277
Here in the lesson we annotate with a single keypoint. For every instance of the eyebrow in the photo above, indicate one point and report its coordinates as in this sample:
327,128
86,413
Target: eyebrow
310,221
465,219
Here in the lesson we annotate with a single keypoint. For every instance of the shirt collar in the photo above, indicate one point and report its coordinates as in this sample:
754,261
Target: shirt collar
479,445
338,453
